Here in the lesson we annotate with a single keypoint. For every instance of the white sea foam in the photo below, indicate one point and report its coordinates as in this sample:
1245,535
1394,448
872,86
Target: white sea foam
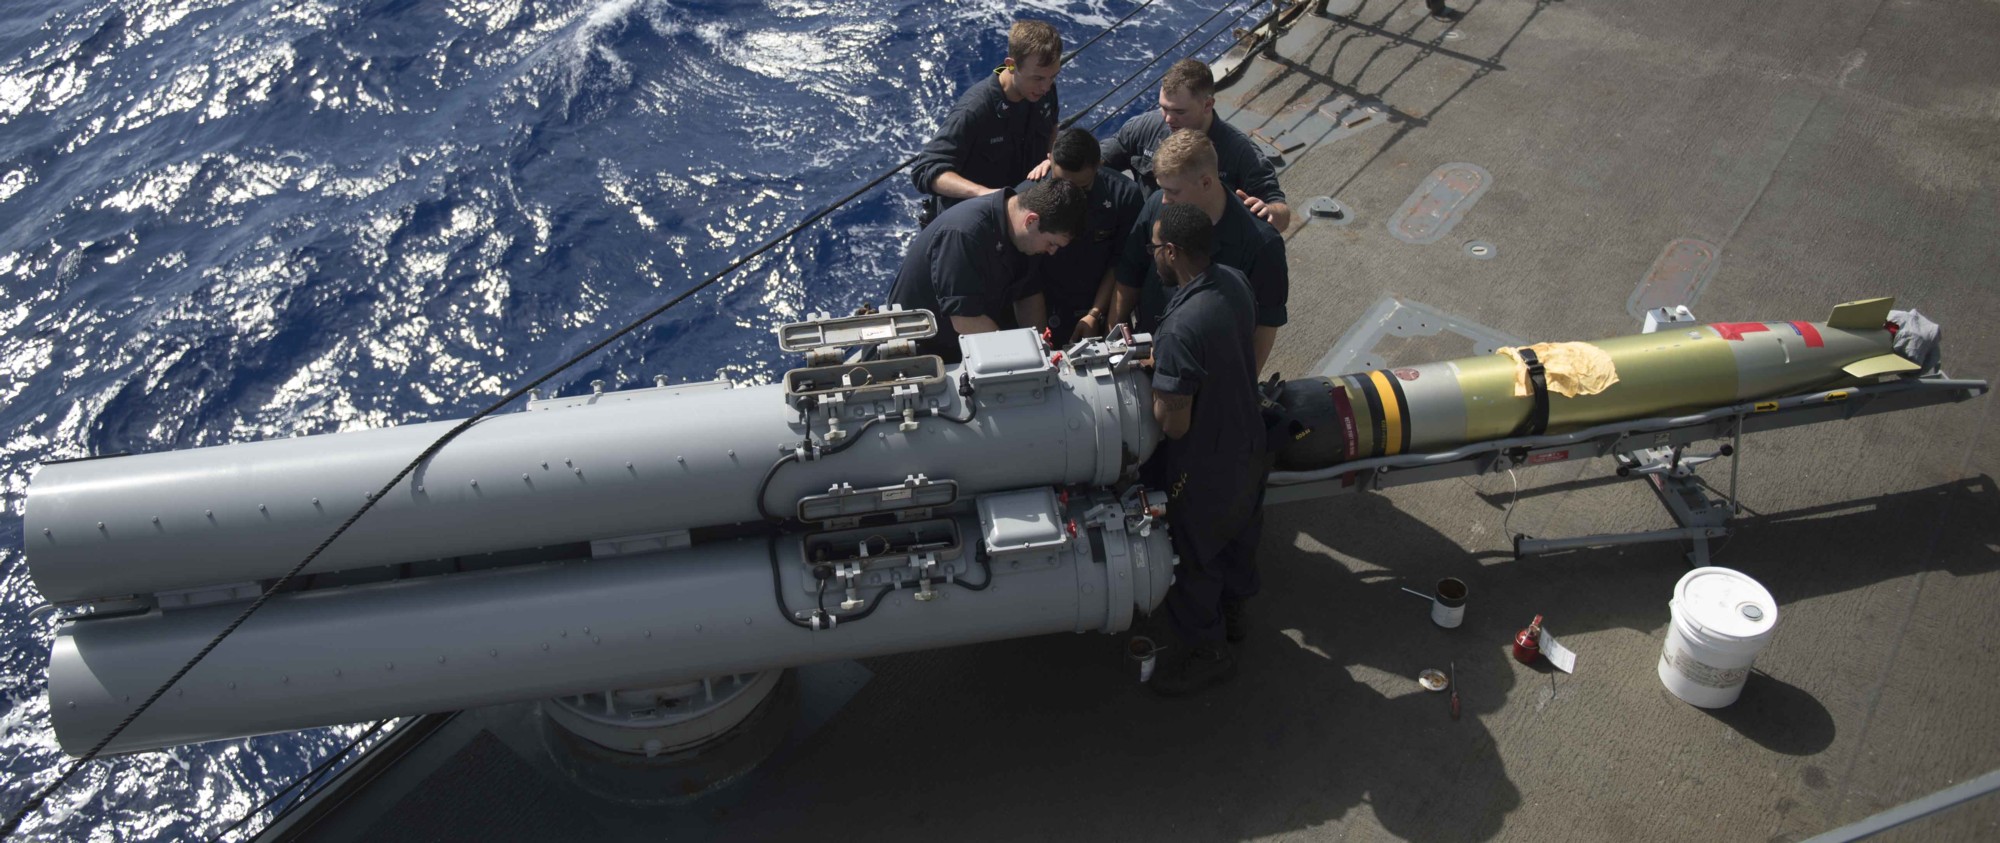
492,16
17,93
13,182
157,191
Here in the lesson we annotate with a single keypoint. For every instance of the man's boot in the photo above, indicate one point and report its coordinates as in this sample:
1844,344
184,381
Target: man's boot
1209,664
1235,620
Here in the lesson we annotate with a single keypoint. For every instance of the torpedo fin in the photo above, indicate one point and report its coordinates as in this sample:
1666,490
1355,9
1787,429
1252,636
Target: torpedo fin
1885,364
1866,314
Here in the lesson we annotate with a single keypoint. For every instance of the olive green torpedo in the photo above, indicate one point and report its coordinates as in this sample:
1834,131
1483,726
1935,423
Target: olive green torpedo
1680,368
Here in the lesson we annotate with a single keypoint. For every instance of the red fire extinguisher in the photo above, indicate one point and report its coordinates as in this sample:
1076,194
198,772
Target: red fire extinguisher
1528,642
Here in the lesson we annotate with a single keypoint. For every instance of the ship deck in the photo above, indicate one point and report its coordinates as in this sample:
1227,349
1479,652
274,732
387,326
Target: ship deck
1828,150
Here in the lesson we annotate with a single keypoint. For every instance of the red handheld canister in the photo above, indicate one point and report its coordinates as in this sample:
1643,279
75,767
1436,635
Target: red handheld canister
1528,642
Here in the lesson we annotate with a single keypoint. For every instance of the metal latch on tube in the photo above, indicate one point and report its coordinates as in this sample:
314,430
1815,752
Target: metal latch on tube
844,506
848,331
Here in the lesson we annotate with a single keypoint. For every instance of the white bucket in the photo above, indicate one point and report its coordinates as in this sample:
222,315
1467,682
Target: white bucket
1722,620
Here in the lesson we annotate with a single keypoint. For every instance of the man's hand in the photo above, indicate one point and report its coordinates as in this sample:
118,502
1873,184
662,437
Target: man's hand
951,185
1123,299
1278,214
1032,312
974,324
1089,325
1040,171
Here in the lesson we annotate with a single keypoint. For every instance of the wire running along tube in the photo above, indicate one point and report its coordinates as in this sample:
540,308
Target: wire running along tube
35,802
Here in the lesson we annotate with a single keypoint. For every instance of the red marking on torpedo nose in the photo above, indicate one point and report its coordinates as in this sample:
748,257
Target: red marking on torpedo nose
1344,411
1736,330
1811,334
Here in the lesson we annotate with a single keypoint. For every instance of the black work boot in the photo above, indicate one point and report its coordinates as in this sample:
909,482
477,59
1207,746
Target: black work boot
1209,664
1235,620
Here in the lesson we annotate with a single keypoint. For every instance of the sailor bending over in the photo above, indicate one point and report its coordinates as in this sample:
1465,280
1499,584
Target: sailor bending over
1078,279
971,266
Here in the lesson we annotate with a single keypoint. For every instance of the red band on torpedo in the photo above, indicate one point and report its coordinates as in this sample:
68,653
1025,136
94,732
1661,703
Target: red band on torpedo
1810,333
1736,330
1343,409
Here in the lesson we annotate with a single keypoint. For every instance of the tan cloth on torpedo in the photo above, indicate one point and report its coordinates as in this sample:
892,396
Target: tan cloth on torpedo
1572,368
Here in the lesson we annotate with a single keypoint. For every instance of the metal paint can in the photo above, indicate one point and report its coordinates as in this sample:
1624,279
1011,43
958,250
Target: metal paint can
1448,603
1142,650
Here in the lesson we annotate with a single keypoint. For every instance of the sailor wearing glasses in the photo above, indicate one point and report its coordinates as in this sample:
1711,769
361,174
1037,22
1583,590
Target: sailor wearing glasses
1211,465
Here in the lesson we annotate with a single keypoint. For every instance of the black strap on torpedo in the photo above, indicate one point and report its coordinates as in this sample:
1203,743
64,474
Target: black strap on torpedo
1537,421
1282,427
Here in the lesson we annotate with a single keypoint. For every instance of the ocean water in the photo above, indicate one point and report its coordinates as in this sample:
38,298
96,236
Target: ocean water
223,221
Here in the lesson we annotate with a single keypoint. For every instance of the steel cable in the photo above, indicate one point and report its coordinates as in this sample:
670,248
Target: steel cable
1156,59
315,772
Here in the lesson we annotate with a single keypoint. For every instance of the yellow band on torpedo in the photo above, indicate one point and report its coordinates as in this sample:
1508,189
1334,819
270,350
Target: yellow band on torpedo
1392,413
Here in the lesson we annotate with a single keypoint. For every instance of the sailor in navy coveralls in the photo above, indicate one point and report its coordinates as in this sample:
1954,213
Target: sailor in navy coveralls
1002,127
1211,466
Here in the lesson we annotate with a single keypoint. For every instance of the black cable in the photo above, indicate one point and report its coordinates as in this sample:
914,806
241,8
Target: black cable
1163,74
778,592
854,436
778,584
965,397
265,804
315,772
778,589
1105,31
986,565
1192,32
765,486
872,605
41,796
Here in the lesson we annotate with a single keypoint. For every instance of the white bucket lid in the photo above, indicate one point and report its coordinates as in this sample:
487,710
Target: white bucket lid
1725,605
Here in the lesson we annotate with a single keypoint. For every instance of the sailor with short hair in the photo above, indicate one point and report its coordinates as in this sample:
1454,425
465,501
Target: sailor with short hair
1186,168
1211,465
1078,279
971,266
1001,128
1187,101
